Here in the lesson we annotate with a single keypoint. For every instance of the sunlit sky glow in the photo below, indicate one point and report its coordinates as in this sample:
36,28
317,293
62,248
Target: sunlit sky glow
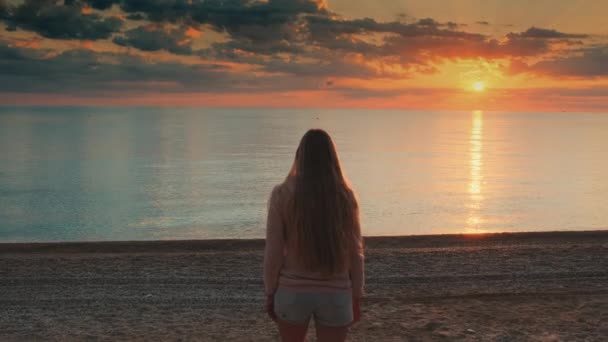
548,55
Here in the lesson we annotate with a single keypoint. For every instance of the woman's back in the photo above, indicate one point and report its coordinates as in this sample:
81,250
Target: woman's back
284,259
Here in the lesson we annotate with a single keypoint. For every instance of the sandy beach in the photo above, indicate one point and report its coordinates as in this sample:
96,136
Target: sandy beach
503,287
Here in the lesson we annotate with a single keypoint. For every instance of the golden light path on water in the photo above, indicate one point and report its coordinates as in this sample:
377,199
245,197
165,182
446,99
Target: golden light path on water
474,219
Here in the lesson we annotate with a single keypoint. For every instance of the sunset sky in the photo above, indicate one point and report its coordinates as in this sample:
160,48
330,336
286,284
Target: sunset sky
520,55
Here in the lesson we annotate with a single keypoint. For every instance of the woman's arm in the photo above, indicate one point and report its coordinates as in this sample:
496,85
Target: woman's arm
273,251
357,262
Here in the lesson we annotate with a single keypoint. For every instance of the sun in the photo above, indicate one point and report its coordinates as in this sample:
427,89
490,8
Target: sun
478,86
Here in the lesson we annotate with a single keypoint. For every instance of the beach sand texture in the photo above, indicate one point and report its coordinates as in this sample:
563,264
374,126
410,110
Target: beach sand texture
504,287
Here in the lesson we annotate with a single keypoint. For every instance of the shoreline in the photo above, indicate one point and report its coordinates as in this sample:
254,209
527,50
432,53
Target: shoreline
400,241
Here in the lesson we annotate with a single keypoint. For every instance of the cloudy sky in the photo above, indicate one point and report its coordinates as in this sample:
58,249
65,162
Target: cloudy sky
431,54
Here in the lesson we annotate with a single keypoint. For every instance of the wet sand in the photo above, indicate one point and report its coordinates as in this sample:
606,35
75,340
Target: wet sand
502,287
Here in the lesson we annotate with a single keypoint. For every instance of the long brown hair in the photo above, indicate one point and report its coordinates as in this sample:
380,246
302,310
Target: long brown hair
324,207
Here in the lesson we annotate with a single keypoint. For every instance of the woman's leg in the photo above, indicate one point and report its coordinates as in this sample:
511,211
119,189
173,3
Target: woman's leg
291,332
331,334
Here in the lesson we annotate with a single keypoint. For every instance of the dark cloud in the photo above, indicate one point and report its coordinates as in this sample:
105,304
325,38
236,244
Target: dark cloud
322,27
427,22
101,4
532,42
4,10
9,54
436,45
267,38
158,10
225,52
96,4
485,23
536,32
51,20
518,47
327,48
235,49
136,16
421,43
78,72
322,69
155,38
350,45
585,63
232,16
396,38
418,52
264,27
453,26
260,27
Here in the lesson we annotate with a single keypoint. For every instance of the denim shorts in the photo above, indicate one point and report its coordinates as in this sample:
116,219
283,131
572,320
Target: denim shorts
330,309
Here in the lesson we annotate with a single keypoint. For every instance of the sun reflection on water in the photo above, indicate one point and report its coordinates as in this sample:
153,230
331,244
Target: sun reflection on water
474,219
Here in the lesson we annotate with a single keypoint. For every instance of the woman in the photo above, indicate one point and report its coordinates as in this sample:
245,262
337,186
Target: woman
313,260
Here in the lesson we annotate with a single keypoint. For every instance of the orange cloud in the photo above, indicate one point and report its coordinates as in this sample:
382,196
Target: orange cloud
87,44
321,4
193,32
184,42
27,43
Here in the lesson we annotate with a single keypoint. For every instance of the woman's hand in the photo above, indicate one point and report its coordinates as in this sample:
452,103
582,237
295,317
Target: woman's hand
270,307
356,309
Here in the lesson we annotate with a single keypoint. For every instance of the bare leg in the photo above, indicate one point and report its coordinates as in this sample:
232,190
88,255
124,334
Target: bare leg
292,332
331,334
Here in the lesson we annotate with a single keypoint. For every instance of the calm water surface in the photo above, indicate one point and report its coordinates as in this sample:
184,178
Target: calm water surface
140,173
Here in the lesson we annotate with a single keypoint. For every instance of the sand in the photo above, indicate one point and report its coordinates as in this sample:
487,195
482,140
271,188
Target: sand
504,287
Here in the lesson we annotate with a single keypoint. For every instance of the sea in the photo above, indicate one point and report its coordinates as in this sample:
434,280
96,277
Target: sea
138,173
